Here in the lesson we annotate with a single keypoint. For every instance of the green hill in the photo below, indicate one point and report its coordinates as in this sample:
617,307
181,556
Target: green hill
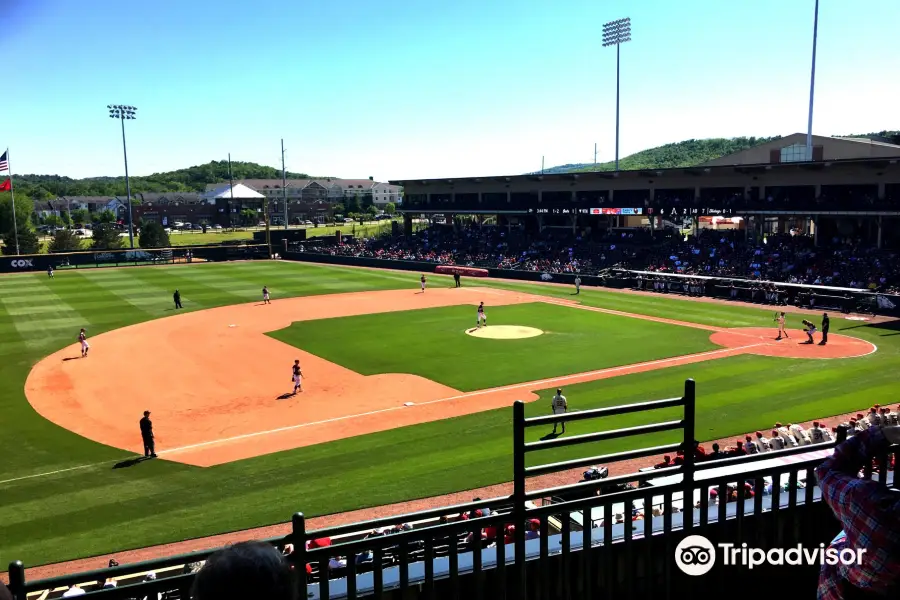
191,179
679,154
694,152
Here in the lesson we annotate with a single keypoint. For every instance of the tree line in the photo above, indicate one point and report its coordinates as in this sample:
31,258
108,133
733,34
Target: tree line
191,179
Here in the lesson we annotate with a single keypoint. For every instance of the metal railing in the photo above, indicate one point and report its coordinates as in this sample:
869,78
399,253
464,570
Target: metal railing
586,542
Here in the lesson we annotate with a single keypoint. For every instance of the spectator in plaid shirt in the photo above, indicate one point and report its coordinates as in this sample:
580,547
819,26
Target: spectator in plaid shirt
870,516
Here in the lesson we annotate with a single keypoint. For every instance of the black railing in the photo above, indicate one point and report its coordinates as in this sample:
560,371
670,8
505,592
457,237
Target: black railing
591,539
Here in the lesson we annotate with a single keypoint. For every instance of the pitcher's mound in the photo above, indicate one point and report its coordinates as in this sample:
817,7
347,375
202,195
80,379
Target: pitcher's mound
504,332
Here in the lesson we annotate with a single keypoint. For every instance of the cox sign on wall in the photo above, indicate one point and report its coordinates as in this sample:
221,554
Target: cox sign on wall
22,263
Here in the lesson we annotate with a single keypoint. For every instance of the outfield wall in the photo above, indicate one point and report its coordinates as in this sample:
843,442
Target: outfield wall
136,257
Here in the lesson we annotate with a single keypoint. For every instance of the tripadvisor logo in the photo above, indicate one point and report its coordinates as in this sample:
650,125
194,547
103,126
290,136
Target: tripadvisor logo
695,555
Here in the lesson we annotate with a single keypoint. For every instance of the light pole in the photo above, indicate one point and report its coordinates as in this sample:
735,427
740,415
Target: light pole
616,33
123,113
812,84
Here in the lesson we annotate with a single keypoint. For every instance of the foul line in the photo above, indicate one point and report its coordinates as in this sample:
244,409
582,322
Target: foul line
532,384
99,464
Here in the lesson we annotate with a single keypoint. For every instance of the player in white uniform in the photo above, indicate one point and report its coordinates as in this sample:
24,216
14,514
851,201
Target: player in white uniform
422,281
266,295
481,318
781,331
577,285
82,337
297,377
559,406
776,442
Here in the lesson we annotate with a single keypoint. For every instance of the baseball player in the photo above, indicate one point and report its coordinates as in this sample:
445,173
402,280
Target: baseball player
50,271
781,331
559,406
577,285
422,282
810,331
297,377
481,318
266,299
82,338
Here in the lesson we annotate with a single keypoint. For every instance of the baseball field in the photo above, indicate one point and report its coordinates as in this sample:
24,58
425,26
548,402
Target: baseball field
403,397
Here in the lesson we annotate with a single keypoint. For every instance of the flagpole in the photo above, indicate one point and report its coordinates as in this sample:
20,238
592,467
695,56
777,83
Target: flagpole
12,193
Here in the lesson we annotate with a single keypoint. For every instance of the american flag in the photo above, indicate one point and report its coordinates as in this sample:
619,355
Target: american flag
4,163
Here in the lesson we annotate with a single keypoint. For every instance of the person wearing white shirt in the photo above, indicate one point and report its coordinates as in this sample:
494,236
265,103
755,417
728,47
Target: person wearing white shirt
74,591
789,440
799,434
577,285
776,442
559,406
816,435
763,442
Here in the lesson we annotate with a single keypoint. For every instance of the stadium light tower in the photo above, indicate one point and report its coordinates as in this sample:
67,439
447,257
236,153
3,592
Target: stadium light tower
124,113
616,33
812,84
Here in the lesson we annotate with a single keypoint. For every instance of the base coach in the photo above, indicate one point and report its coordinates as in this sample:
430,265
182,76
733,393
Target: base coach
147,436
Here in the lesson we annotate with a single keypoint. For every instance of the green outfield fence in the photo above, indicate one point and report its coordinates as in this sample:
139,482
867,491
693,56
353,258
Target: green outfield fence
135,257
572,557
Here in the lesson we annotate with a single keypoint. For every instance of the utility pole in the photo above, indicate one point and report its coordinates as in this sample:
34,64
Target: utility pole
284,185
595,154
542,165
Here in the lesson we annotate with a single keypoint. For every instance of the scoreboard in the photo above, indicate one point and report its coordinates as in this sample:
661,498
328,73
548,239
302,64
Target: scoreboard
673,211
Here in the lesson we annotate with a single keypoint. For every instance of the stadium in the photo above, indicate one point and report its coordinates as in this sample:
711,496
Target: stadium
667,381
410,408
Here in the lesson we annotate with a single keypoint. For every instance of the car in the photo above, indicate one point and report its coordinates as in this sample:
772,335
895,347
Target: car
348,220
261,224
197,227
217,227
307,222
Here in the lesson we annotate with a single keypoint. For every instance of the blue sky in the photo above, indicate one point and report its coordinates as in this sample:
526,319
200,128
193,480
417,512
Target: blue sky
404,89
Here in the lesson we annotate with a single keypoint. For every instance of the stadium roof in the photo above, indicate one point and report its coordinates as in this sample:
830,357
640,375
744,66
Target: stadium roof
697,171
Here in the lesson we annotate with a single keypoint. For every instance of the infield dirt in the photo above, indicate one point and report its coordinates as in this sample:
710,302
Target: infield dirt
218,388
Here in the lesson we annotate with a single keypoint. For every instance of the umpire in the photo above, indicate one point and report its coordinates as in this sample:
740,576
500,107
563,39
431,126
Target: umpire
147,436
825,323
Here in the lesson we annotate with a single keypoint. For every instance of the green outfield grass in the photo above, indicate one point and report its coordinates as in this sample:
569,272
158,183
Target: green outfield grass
430,343
85,507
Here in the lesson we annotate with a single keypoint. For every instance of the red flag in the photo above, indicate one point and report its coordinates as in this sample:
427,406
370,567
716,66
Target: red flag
6,185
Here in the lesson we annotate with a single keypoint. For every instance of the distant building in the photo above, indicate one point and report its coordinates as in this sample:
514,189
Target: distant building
793,149
331,190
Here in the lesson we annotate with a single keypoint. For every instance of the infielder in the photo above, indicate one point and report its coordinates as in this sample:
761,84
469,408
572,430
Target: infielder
82,338
297,377
559,406
266,299
577,285
422,281
781,331
481,318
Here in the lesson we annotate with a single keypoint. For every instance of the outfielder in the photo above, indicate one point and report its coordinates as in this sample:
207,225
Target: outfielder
781,331
297,377
266,299
559,406
481,316
82,338
577,285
